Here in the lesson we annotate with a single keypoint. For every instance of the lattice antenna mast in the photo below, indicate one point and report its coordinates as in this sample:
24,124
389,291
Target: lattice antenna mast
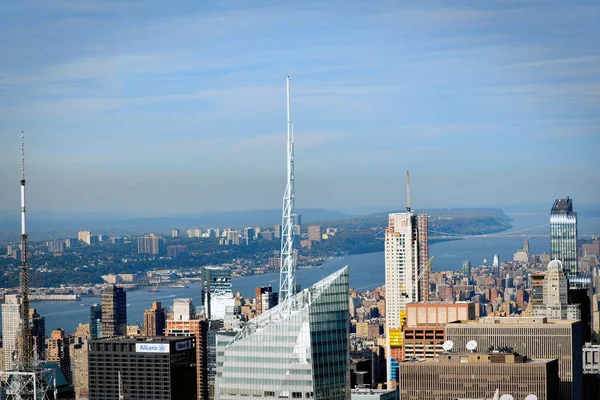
25,350
287,276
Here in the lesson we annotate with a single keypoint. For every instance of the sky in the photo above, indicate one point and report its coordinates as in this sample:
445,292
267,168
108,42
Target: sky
161,108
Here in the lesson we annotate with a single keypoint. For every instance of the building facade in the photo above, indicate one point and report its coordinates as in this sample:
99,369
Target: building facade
478,376
96,321
160,368
406,278
151,244
11,320
533,337
114,311
217,293
155,320
315,233
563,234
57,350
296,350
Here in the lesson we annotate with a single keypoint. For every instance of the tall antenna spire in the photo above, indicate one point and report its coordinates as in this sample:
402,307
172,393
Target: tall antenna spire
287,275
408,191
25,349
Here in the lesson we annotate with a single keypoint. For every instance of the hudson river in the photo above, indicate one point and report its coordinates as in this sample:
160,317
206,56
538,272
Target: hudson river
366,271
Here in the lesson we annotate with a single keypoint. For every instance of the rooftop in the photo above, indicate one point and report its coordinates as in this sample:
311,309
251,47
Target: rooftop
562,206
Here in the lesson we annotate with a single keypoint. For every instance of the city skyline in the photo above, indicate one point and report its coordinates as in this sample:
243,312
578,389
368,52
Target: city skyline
150,101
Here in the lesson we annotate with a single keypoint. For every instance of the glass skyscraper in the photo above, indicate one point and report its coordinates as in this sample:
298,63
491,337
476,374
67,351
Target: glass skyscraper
297,351
217,294
563,234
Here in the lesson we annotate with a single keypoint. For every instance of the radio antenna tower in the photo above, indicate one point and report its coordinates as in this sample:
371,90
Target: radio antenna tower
408,208
28,379
287,274
25,349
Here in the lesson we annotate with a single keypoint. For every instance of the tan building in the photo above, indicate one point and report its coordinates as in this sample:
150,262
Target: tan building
85,236
154,320
438,314
185,323
533,337
477,376
423,342
314,233
79,367
57,350
368,330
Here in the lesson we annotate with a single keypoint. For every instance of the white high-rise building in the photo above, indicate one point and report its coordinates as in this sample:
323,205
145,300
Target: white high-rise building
11,320
406,278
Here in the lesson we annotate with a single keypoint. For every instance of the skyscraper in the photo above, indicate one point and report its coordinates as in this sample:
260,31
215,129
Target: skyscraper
38,332
96,321
563,234
296,350
154,320
466,268
151,244
556,291
11,321
57,350
184,322
406,275
114,311
217,294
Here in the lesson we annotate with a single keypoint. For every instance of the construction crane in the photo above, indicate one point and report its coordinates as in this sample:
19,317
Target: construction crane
427,264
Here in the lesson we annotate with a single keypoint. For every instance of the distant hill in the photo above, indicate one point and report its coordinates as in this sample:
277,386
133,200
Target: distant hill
63,224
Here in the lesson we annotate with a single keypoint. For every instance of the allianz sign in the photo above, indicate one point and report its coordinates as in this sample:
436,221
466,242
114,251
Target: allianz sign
152,347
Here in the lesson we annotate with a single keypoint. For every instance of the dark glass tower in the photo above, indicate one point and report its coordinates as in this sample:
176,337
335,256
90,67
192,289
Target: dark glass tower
96,321
563,234
114,312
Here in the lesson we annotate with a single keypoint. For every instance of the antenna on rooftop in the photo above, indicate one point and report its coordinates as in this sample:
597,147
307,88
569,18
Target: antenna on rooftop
408,191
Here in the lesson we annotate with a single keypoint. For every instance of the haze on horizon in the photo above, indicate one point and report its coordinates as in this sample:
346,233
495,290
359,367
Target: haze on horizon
156,109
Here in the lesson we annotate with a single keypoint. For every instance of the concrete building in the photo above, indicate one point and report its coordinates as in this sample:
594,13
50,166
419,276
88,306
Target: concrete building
367,330
114,311
154,320
406,253
556,291
174,233
265,299
533,337
217,294
439,313
151,244
161,368
477,376
79,367
11,320
57,350
194,233
176,251
298,349
185,322
85,237
537,289
591,359
563,234
314,233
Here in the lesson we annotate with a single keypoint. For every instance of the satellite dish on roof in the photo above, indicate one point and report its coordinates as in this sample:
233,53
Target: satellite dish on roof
471,346
506,397
448,345
531,397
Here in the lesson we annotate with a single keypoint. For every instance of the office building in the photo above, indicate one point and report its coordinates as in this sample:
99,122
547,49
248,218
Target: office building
477,376
533,337
57,350
439,313
175,233
249,233
114,311
406,278
314,233
79,367
265,299
466,268
298,349
217,294
154,320
563,234
186,322
151,244
537,289
555,291
96,321
85,237
38,332
161,368
11,320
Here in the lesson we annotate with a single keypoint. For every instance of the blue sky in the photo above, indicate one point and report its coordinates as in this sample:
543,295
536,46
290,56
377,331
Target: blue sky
162,107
